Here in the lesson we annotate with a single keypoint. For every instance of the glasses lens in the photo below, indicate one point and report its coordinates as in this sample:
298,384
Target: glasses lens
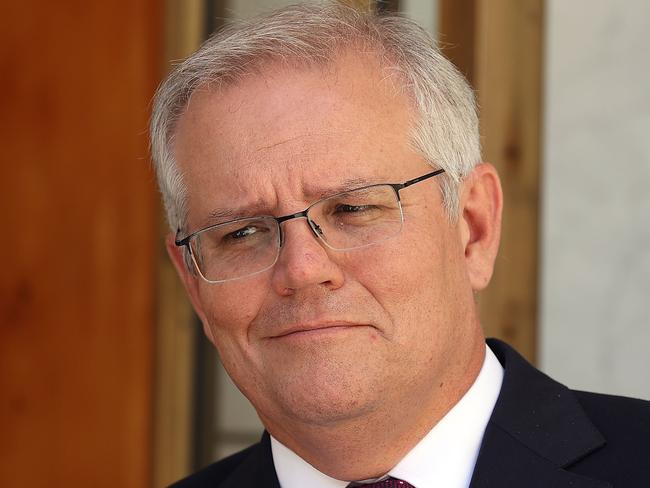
357,218
236,249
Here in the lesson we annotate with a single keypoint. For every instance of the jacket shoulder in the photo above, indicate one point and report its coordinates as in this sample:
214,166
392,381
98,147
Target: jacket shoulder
215,473
572,438
620,419
625,425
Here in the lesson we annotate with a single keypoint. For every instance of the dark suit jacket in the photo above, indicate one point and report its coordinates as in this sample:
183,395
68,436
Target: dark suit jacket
541,434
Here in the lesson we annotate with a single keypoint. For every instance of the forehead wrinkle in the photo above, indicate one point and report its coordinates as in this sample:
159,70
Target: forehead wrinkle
284,141
306,135
316,192
257,207
220,215
311,195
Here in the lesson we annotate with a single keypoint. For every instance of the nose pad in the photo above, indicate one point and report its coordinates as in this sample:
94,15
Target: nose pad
316,228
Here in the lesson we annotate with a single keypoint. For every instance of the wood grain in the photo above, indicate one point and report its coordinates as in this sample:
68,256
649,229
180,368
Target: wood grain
79,208
456,33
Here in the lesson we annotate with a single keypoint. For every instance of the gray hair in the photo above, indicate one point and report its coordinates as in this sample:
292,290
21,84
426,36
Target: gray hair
445,130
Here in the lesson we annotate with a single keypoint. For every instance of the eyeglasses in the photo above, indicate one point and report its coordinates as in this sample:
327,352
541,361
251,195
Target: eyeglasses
343,222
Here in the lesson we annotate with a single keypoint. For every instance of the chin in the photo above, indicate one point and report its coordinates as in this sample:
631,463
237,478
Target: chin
327,400
327,411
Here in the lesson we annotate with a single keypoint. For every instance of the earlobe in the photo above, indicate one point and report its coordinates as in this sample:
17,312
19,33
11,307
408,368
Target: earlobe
480,225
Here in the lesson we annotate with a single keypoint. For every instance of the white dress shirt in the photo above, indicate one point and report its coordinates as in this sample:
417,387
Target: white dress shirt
445,457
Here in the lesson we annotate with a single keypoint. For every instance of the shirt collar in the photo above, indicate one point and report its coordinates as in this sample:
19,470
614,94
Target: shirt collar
444,457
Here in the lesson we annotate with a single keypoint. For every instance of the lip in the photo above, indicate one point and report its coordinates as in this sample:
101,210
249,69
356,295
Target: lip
310,329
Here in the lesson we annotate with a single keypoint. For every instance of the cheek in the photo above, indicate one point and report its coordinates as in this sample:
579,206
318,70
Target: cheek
399,275
228,313
414,278
405,266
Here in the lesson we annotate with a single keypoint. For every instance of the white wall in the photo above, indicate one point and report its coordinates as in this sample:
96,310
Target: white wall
424,12
595,303
244,9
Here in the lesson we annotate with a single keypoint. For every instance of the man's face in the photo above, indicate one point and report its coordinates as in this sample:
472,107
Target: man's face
370,326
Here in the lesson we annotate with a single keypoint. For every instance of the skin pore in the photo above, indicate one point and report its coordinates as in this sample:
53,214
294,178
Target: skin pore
349,358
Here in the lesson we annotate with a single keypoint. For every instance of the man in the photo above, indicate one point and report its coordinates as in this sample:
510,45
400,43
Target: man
332,223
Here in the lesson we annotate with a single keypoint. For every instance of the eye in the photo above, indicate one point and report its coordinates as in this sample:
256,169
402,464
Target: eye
244,232
345,208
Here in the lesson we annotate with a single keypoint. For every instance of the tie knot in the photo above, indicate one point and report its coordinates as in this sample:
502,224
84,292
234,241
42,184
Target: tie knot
387,483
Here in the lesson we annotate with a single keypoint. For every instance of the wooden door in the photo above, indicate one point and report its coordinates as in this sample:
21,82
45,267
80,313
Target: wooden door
79,213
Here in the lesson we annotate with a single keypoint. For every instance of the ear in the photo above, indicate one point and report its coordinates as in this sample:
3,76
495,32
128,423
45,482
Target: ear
480,223
188,278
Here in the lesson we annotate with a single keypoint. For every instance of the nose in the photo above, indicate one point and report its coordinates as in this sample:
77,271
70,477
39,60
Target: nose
304,261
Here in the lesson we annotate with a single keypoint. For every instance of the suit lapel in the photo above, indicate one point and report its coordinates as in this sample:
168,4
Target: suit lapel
257,470
537,430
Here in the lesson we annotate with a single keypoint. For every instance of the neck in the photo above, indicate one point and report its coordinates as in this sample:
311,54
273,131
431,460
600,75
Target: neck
369,446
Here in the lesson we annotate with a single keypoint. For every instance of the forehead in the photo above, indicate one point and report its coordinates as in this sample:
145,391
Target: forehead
289,134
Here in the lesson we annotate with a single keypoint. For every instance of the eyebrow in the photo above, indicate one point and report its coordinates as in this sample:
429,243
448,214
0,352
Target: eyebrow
226,214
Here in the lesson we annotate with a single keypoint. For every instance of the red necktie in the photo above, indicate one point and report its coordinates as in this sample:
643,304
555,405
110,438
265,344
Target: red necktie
387,483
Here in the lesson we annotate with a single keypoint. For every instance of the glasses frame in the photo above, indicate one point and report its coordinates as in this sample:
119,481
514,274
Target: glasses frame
397,187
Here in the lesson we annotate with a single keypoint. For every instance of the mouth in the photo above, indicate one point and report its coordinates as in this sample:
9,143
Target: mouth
314,330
